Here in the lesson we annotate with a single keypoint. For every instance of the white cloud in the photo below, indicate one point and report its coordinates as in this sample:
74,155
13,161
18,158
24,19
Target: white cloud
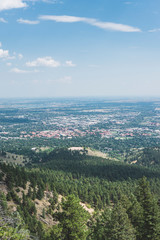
154,30
70,64
25,21
2,20
4,53
64,18
114,26
10,4
17,70
44,62
94,22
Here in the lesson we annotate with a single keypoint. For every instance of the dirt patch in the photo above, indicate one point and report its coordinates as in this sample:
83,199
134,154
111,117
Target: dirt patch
89,210
76,148
134,162
95,153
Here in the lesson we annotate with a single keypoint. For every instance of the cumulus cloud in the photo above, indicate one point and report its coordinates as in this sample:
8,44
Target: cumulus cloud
2,20
70,64
25,21
44,62
10,4
94,22
4,53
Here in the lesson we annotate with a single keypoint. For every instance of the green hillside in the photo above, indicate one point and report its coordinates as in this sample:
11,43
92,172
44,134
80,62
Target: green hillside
50,188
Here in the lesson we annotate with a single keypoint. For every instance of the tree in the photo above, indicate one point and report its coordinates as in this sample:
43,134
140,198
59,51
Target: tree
151,215
14,229
53,234
120,225
40,193
43,213
100,225
135,214
73,219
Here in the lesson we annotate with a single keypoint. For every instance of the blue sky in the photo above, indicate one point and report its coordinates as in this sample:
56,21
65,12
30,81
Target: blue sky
68,48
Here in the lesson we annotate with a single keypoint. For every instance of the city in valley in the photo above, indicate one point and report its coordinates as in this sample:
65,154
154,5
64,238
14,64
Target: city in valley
114,127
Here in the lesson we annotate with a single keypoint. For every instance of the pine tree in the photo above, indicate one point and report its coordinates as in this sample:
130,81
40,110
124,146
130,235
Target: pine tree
151,214
43,213
120,225
135,214
53,234
29,192
34,194
73,219
100,225
40,193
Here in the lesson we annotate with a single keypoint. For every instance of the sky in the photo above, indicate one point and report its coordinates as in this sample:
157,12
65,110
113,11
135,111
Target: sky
71,48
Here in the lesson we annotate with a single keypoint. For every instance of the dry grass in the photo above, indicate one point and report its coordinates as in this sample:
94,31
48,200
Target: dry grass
41,205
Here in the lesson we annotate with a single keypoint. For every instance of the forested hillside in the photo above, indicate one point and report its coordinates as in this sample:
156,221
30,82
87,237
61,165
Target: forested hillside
149,157
124,204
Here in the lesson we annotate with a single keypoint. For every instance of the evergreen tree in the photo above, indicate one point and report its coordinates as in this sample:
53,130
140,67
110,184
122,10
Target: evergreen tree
40,193
135,214
12,227
53,234
43,213
120,225
73,219
151,214
29,192
34,194
100,226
